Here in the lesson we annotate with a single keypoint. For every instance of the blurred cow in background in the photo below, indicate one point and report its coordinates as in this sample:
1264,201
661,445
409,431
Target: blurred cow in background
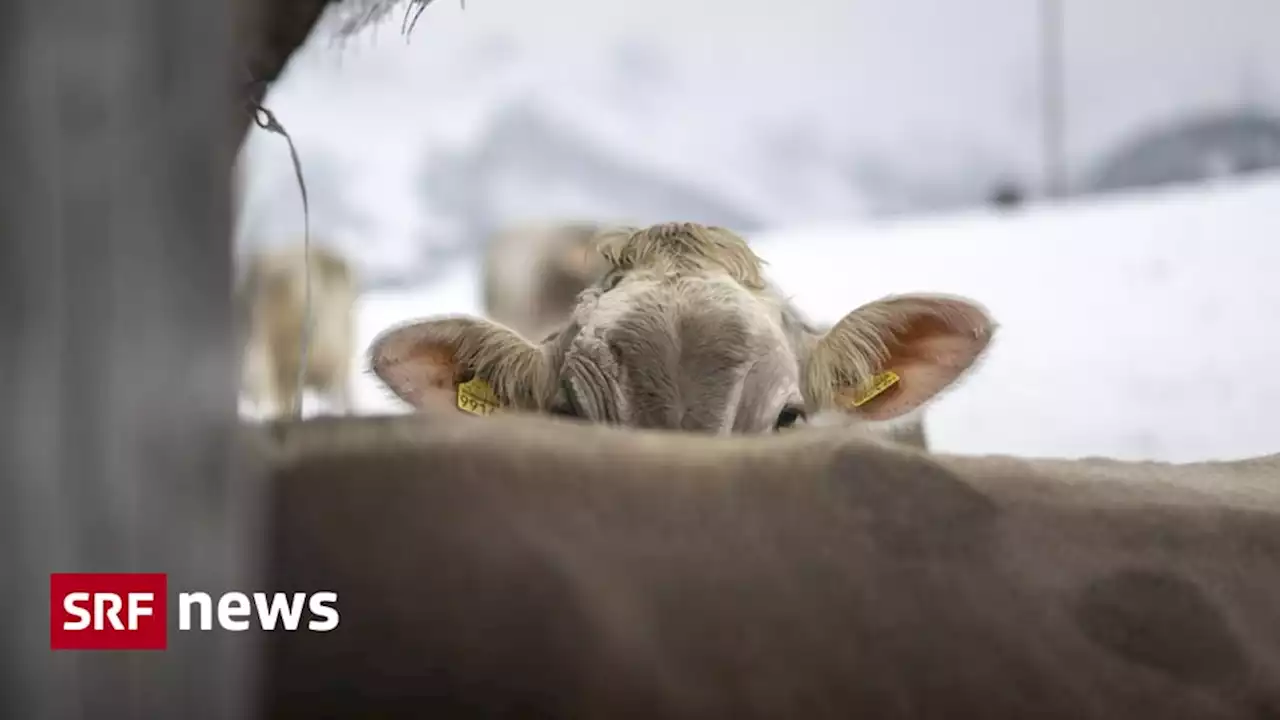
271,309
533,274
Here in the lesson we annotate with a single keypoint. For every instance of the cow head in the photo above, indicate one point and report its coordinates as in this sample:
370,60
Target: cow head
683,332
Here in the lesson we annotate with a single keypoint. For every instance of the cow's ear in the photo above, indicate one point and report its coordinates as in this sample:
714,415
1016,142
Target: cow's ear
426,361
893,355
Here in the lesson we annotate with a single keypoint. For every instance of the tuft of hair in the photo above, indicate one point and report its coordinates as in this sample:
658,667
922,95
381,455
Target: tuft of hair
858,346
352,16
683,247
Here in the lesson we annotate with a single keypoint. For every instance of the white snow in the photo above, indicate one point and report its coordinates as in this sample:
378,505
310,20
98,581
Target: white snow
1142,327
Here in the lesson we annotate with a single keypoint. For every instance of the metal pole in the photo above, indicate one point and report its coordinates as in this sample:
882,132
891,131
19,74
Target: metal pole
1053,100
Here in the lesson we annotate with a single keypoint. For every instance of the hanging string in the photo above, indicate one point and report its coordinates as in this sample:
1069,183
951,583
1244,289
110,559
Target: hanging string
265,119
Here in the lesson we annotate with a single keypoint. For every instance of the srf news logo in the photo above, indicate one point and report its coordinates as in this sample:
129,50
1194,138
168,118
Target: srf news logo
130,611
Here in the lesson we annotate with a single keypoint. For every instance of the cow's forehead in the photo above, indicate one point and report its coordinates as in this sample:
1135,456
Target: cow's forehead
682,350
673,295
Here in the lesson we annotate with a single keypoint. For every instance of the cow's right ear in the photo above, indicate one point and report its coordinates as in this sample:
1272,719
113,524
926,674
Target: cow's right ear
893,355
423,362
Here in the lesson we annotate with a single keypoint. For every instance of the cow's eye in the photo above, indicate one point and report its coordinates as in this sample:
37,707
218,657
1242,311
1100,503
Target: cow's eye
566,407
788,417
564,410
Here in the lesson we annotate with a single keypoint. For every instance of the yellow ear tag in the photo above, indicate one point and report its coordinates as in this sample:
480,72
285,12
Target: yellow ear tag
476,397
879,384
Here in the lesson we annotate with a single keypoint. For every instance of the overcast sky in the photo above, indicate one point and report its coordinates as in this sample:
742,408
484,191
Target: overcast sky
910,79
966,64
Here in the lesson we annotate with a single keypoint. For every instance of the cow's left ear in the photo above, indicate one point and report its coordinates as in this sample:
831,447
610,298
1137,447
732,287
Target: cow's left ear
424,362
893,355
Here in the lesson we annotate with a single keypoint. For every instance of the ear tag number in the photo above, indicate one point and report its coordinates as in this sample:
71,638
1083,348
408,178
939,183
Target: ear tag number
879,384
476,397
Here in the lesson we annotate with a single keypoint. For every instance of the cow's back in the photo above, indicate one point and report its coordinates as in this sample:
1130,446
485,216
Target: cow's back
522,568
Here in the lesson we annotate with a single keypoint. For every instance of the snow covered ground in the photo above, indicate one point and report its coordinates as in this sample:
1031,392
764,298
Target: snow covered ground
1143,327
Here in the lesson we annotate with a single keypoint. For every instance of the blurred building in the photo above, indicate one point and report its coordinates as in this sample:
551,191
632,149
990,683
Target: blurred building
1192,150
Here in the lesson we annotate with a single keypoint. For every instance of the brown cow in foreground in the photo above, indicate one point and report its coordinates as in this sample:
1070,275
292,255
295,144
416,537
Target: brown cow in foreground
533,274
683,332
271,304
534,568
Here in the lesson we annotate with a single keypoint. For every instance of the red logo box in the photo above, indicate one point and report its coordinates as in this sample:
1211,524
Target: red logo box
108,611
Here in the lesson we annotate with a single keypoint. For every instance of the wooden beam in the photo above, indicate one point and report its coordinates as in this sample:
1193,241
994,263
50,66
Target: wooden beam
115,348
267,34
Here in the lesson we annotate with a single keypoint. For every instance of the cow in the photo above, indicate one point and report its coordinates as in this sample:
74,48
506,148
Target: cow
533,274
271,302
683,332
526,566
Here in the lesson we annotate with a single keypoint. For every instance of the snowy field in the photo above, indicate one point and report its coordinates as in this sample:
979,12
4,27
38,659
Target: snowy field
1143,327
1138,328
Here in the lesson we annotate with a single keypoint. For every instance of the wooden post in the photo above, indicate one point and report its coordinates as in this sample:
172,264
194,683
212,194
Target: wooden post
267,34
116,450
